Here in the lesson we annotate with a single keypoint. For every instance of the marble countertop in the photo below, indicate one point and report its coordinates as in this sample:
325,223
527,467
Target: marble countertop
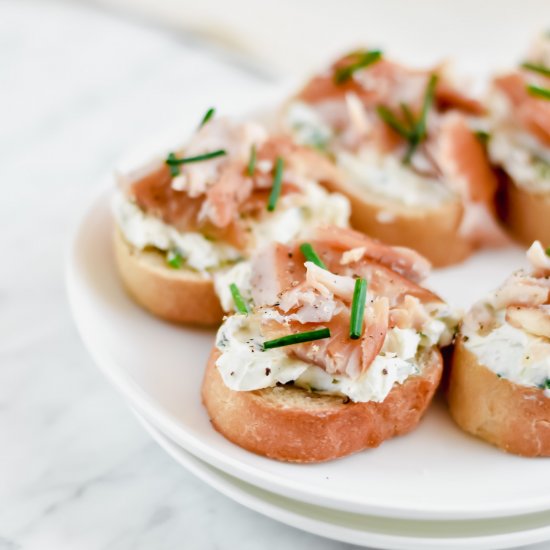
77,472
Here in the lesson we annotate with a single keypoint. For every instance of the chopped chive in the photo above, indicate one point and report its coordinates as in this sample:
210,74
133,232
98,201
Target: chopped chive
418,133
388,117
428,100
343,74
482,136
206,156
277,184
207,116
172,160
174,168
240,303
174,259
415,133
358,309
311,256
297,338
407,115
252,161
536,68
548,251
413,145
537,91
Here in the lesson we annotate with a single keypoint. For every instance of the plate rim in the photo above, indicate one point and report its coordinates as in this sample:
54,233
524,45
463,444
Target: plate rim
135,394
233,489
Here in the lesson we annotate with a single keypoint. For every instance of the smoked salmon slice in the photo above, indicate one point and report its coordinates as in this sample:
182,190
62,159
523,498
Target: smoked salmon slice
531,112
299,296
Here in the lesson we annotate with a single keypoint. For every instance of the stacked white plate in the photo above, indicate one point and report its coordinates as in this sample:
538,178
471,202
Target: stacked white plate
435,488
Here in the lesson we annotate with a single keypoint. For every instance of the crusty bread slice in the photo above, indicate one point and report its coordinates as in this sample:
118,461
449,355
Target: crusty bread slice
513,417
526,215
176,295
292,424
434,232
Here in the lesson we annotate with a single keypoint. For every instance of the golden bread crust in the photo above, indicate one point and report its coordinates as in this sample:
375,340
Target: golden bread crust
526,215
513,417
433,232
176,295
291,424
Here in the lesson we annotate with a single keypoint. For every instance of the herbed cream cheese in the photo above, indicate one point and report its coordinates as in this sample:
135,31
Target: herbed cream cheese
244,366
524,157
142,230
512,353
239,274
295,214
441,328
385,176
307,126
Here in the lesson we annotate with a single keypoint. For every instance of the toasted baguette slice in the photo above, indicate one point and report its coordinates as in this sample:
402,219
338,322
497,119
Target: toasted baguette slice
294,425
513,417
526,215
434,232
176,295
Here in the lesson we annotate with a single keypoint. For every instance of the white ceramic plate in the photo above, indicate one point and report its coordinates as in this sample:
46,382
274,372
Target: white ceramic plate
360,529
435,472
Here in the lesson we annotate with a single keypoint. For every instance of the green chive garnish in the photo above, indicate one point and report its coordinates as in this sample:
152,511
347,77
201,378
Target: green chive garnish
358,309
208,115
389,118
297,338
252,162
277,183
174,259
419,131
414,131
428,100
548,251
343,74
536,68
482,136
537,91
240,303
407,114
311,256
173,162
174,169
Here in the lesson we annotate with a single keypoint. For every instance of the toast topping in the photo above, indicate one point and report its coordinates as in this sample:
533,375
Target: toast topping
401,134
520,119
510,330
231,189
292,296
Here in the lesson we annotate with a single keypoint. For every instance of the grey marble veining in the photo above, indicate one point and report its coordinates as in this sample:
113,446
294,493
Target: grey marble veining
78,88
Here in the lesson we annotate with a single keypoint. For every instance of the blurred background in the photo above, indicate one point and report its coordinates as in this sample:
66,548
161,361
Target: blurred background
80,84
289,37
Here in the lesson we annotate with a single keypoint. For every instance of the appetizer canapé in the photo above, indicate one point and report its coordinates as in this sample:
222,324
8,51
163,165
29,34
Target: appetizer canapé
184,219
334,348
499,387
414,168
519,144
